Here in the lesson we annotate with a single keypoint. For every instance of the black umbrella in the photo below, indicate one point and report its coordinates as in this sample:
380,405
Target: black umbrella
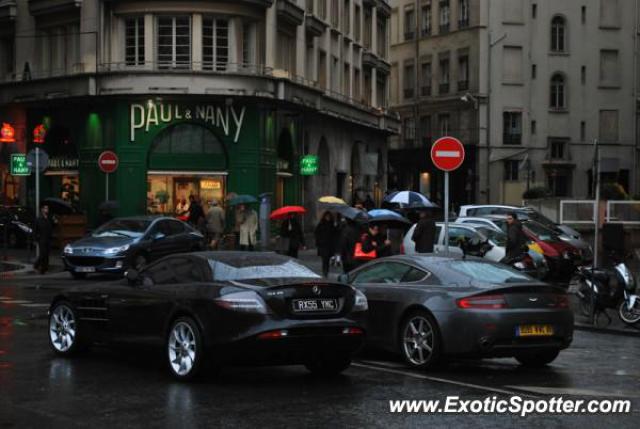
59,206
349,212
388,218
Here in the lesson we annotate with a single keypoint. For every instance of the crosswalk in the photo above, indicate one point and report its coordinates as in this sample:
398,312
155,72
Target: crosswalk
7,300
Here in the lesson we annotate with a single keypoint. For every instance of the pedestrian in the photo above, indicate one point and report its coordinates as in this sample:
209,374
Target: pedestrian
374,239
326,235
516,238
196,214
349,235
182,208
248,227
215,224
368,203
424,236
291,231
43,233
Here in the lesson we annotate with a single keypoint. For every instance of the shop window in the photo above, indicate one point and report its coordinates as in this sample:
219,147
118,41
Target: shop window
169,193
134,41
215,44
70,187
174,42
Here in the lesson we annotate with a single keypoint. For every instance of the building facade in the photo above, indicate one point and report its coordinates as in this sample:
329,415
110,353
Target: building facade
198,98
527,85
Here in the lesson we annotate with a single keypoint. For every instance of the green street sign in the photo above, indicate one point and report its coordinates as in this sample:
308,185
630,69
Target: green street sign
309,165
19,165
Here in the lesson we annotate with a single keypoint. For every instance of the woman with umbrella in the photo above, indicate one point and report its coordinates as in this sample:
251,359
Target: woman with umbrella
290,229
326,235
246,220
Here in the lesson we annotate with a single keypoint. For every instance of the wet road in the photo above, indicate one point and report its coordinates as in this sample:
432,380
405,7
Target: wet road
127,388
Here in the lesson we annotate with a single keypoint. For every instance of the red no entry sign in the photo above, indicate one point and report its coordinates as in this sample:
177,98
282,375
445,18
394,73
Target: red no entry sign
108,161
447,153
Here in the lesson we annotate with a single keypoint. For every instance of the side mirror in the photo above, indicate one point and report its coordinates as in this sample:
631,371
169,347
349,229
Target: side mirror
343,278
133,276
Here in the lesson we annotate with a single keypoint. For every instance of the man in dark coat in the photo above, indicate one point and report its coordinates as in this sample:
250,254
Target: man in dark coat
425,234
516,238
292,230
43,234
326,235
349,236
196,213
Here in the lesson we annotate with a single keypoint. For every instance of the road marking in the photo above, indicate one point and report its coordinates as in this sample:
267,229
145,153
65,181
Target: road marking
448,153
441,380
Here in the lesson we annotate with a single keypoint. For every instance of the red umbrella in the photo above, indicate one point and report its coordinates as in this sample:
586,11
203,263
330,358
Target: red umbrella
284,212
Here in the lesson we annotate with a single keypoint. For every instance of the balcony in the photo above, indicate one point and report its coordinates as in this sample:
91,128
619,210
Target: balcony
369,59
425,91
7,10
384,8
409,35
383,67
443,88
44,7
559,155
463,23
290,12
425,32
463,85
511,139
314,25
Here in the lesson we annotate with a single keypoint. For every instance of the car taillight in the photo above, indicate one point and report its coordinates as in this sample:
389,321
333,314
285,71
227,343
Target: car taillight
249,302
485,302
561,301
352,331
273,335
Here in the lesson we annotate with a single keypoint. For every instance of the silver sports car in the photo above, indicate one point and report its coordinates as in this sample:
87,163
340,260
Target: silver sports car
427,307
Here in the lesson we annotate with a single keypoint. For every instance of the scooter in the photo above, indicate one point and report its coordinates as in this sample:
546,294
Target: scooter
600,289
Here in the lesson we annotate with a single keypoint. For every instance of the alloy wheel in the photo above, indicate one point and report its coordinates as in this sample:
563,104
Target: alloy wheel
62,328
418,340
182,349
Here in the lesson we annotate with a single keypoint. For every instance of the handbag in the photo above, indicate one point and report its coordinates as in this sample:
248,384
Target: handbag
361,255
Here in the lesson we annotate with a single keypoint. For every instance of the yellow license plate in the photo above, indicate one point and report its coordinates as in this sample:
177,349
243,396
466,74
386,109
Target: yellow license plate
534,331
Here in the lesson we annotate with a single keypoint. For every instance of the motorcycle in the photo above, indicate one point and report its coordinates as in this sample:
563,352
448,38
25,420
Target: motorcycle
601,289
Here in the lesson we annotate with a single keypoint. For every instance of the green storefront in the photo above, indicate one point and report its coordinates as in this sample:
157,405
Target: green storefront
169,149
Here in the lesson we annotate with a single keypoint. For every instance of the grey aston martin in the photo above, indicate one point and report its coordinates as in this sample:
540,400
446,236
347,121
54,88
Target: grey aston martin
426,307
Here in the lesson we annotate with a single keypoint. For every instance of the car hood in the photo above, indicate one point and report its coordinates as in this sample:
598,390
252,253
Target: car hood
101,243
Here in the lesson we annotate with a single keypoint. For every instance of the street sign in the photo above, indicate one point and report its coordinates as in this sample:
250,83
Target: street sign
19,165
108,161
43,160
447,153
309,165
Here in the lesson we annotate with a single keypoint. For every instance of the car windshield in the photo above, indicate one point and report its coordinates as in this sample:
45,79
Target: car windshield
131,228
497,237
543,233
288,269
483,271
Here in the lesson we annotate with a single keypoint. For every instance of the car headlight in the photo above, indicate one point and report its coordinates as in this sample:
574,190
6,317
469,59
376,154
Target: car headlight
116,250
360,303
249,302
68,250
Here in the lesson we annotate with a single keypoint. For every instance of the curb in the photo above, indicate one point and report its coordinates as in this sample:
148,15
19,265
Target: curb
630,332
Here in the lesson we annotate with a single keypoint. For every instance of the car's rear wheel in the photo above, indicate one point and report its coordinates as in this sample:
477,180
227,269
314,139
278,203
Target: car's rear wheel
327,365
537,359
420,343
184,348
63,330
78,276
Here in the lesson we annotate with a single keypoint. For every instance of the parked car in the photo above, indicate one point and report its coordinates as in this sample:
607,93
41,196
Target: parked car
129,242
19,225
523,213
217,308
428,307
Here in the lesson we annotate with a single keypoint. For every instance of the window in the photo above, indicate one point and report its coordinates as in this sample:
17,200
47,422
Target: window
559,183
215,44
558,149
534,126
228,269
174,42
557,100
414,275
134,41
534,11
409,23
425,20
322,9
463,73
444,126
558,34
357,24
583,131
356,84
286,52
457,235
463,10
444,76
583,75
534,71
425,128
382,273
382,37
608,126
346,81
335,13
425,80
322,69
409,130
481,271
409,80
512,128
445,13
511,169
346,17
609,68
381,90
368,28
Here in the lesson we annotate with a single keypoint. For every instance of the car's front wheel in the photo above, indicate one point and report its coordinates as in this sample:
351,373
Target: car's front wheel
328,365
420,343
184,348
537,359
63,329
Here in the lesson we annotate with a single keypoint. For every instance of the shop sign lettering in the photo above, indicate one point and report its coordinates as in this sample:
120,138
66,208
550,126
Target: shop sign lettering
64,163
148,115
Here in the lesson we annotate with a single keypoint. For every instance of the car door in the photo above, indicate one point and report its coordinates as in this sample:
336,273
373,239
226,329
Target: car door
161,240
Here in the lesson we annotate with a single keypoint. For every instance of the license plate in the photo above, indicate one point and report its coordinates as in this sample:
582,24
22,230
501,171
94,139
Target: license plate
314,305
85,269
534,331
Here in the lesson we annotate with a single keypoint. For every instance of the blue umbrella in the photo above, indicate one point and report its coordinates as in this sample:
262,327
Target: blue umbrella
242,199
387,216
409,199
